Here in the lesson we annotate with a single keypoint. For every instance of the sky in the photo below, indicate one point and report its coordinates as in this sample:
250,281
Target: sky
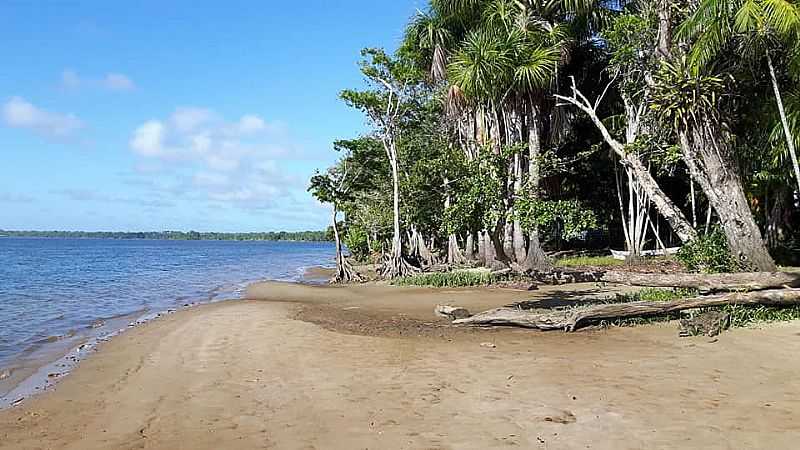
179,115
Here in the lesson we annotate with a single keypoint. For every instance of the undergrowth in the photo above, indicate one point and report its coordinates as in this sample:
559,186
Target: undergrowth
577,261
740,315
655,295
447,279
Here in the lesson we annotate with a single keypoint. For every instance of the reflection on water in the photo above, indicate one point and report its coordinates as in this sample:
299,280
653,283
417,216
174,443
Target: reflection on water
54,289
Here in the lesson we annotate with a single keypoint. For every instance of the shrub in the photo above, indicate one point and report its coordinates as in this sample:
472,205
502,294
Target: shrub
356,241
708,253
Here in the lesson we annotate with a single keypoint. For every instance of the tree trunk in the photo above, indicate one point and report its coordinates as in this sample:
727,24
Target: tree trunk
482,247
395,265
344,271
664,28
786,131
469,247
710,161
454,254
535,259
509,246
420,249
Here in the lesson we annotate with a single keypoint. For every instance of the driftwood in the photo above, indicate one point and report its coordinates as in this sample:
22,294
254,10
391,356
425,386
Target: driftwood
718,282
569,320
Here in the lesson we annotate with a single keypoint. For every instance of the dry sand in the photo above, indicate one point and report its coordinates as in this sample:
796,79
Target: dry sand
382,373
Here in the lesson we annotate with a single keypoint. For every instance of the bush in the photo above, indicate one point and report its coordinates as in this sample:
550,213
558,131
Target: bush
356,241
708,253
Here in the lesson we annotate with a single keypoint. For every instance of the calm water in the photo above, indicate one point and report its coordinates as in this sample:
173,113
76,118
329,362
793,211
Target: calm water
54,288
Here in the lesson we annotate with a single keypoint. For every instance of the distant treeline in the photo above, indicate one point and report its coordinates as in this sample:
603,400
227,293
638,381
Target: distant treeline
309,236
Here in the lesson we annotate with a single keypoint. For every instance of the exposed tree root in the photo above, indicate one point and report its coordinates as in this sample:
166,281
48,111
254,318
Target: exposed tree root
396,266
345,273
570,320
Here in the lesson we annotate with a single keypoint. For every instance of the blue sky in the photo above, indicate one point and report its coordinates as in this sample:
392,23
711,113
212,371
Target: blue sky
177,115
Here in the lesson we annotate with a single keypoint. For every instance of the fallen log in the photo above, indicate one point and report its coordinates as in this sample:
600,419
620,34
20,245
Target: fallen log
570,320
715,282
705,283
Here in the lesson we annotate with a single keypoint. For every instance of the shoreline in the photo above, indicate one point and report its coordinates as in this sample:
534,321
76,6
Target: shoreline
286,368
40,370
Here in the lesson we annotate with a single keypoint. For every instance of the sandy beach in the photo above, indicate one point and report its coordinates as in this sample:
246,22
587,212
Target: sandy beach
307,367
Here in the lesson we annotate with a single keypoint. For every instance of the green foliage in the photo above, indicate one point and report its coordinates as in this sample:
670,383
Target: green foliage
461,278
480,199
355,238
571,216
709,253
682,95
578,261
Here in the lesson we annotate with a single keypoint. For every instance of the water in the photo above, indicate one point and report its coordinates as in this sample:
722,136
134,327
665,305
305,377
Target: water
53,290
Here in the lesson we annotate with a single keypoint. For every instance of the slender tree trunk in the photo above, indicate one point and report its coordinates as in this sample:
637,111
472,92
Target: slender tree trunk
518,235
344,271
454,254
535,259
711,164
664,28
499,258
396,265
694,207
469,246
482,247
520,250
784,122
509,246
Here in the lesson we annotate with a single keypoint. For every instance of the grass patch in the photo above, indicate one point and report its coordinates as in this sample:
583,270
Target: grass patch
461,278
577,261
655,295
743,316
740,316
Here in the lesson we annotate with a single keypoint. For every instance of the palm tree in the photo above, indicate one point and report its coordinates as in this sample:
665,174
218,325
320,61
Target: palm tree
757,27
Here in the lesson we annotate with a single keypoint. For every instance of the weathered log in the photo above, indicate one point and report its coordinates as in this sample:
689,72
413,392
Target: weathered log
706,283
569,320
717,282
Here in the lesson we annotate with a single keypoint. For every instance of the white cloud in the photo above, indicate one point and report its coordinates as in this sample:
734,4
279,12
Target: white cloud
112,81
19,113
118,82
148,139
251,124
223,161
186,120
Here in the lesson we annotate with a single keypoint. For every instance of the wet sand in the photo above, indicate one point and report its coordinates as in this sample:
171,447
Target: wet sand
371,367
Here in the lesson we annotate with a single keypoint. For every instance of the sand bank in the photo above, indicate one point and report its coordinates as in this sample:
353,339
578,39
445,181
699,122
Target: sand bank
275,374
